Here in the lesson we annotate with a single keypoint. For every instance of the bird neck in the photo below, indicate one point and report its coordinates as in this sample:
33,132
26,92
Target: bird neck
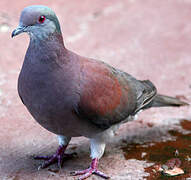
53,37
50,50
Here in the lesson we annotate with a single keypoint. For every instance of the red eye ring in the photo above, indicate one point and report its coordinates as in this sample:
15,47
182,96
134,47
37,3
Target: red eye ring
41,19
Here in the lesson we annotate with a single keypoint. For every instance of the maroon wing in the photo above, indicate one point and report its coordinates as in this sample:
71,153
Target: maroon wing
106,96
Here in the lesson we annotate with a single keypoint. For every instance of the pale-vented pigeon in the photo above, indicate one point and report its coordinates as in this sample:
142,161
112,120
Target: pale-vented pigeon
71,95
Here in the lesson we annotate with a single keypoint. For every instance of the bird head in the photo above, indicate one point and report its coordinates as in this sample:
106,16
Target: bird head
38,21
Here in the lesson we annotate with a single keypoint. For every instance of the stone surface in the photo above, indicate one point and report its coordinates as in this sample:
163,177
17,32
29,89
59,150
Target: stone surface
150,40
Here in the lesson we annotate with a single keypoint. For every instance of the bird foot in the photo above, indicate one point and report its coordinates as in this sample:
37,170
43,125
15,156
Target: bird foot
91,170
57,157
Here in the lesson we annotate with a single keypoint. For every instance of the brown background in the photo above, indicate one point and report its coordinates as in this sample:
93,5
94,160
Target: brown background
149,39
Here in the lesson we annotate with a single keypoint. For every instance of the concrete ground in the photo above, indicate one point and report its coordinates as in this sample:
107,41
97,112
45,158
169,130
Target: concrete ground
149,39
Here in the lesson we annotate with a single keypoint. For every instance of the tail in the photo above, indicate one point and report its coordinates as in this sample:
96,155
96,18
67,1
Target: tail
162,100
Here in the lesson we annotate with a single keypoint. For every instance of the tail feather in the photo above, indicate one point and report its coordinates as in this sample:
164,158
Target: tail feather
162,100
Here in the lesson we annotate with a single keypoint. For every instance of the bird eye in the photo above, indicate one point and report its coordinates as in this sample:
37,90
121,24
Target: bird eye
41,19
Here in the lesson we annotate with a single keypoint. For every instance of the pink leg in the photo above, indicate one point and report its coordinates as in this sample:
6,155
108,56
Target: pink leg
91,170
57,157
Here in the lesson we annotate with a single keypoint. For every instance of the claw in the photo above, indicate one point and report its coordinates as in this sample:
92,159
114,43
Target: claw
41,157
91,170
57,157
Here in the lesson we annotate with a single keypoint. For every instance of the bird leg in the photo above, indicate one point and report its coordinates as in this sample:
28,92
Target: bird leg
91,170
57,157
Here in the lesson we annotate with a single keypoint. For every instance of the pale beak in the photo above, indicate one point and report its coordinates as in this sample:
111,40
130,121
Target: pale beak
18,30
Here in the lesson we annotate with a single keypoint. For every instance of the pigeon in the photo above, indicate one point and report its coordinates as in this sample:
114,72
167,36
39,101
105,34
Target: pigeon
72,96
